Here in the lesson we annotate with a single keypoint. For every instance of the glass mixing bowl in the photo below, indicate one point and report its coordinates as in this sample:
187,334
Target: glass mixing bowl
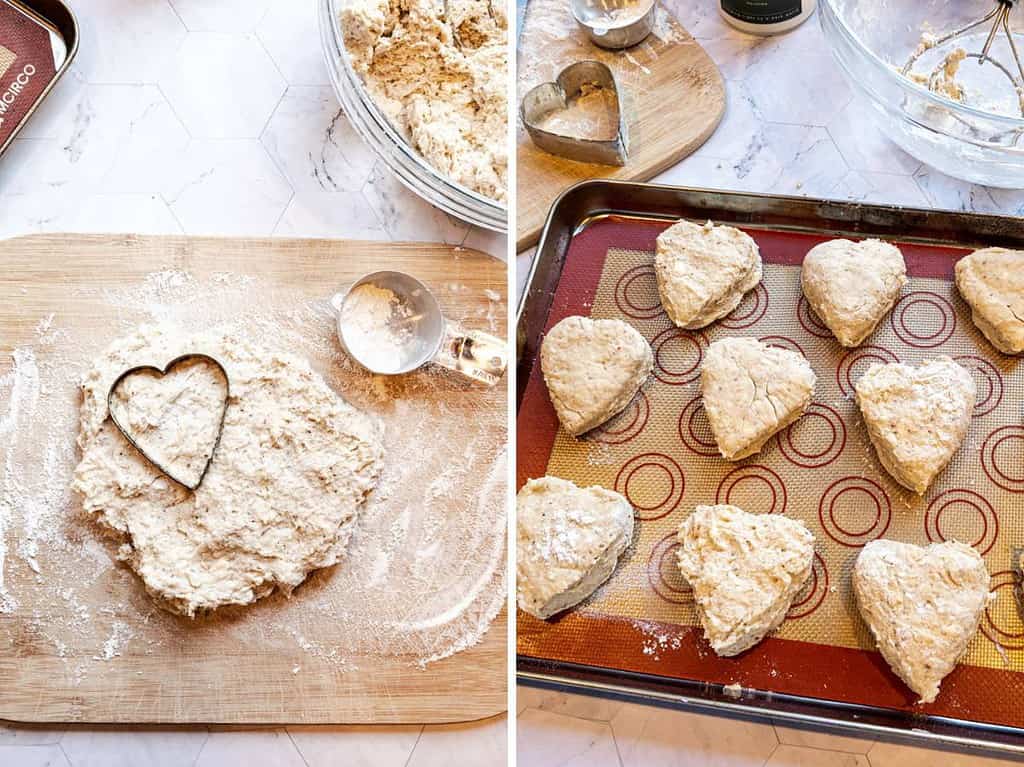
377,131
872,39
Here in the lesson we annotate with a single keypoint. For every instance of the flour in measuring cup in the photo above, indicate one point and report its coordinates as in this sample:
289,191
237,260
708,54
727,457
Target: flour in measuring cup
375,325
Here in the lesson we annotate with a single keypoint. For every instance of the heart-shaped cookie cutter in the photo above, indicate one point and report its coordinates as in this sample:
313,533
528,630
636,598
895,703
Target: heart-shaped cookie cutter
549,97
167,369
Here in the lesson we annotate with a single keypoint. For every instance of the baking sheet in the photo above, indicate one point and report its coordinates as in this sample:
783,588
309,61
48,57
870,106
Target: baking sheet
821,470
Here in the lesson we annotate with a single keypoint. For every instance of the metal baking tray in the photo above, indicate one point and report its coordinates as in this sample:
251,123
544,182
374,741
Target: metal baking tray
594,256
44,36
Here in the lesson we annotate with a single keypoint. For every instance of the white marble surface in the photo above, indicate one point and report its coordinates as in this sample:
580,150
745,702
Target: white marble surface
791,127
216,117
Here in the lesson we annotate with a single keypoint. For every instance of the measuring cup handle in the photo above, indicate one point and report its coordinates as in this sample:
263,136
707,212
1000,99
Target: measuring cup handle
474,354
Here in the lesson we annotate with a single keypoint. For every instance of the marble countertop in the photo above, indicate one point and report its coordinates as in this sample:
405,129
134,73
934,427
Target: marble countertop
791,127
216,117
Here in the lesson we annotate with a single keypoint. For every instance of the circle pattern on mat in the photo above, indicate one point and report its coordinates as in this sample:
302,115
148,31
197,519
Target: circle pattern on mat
625,426
988,380
923,319
653,484
752,482
677,356
860,359
854,511
1001,622
962,515
751,309
810,597
636,293
801,442
695,430
663,572
810,321
782,342
1002,458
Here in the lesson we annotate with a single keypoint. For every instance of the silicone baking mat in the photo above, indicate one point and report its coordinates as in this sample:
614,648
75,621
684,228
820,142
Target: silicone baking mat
822,470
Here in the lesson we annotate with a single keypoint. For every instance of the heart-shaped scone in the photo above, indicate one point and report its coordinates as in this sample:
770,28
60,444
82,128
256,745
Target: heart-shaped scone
751,390
992,282
569,540
744,569
851,286
704,271
922,604
592,369
578,116
916,416
173,417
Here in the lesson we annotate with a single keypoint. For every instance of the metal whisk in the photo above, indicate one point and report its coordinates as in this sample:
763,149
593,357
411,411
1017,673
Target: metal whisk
1000,18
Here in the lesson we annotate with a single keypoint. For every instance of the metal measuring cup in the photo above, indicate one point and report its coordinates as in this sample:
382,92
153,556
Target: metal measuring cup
598,19
416,333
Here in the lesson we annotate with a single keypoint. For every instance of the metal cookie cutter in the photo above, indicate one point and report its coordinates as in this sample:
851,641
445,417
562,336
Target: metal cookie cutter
166,369
546,98
417,332
615,24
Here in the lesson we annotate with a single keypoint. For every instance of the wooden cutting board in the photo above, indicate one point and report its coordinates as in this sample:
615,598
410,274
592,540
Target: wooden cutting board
672,96
200,675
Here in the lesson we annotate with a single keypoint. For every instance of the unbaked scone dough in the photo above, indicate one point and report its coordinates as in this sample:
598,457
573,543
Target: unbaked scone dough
593,369
916,416
744,569
922,604
751,390
704,271
438,69
992,282
852,285
294,465
569,540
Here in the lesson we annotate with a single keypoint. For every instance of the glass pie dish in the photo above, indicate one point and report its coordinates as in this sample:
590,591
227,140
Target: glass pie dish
388,143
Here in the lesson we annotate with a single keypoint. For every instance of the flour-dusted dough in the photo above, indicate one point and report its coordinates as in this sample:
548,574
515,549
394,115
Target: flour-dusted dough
922,604
852,285
704,271
294,466
992,282
593,369
750,391
916,416
744,569
438,69
569,540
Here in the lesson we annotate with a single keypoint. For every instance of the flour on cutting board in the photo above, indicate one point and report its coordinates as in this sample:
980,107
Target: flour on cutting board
424,574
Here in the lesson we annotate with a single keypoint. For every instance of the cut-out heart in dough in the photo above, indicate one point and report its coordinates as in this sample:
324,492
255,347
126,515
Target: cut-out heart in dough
578,116
593,368
923,605
173,417
852,285
991,280
744,569
750,391
916,416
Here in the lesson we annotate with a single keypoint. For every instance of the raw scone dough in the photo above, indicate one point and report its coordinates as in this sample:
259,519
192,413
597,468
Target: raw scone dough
916,416
704,271
438,69
750,391
294,466
852,285
569,540
744,569
593,369
992,282
922,604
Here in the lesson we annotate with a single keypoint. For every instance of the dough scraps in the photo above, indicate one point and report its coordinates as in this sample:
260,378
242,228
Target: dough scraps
293,468
438,70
